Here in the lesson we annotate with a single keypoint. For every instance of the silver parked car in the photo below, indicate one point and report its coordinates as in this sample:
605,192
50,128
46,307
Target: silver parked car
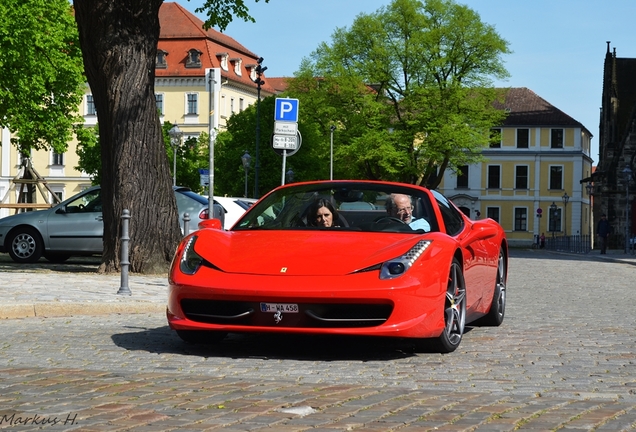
75,226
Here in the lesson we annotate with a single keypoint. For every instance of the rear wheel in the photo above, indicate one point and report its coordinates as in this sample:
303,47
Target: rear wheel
25,245
200,337
454,310
498,307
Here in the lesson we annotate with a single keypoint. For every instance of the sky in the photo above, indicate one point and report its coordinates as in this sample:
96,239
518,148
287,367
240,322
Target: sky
558,46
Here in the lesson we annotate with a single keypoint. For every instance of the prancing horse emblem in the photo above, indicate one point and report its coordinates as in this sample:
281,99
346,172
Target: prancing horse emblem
278,317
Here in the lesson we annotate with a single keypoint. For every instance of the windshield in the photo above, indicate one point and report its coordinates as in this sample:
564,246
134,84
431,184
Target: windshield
343,206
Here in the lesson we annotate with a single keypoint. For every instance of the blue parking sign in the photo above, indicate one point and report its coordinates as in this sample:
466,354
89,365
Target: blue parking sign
286,110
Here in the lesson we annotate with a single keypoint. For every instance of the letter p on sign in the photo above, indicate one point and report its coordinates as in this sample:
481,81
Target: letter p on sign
286,110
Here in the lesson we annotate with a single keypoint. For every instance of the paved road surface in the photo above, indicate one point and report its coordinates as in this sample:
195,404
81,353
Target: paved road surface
563,359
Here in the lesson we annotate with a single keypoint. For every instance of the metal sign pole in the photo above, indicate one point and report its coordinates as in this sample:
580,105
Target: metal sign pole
282,181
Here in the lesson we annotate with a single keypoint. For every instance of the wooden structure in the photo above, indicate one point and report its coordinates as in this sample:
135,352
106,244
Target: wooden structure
29,176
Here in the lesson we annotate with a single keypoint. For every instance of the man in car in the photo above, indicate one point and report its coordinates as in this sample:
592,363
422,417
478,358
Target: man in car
400,206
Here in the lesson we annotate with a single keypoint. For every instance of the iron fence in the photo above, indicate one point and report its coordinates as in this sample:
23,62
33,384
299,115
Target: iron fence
572,243
582,243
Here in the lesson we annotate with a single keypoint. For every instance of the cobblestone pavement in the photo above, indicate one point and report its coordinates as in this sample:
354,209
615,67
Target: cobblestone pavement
563,359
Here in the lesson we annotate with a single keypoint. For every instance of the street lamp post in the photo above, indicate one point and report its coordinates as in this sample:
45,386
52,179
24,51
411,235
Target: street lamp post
627,172
246,159
565,199
590,190
175,138
259,82
539,214
553,208
333,128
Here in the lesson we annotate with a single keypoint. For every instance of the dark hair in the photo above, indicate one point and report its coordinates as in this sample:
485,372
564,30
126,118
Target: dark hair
313,209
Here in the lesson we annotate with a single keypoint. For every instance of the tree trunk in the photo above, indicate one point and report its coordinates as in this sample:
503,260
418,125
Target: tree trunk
119,43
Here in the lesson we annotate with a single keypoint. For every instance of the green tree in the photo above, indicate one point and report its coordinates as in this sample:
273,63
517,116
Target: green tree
309,163
119,45
191,155
89,152
41,73
409,87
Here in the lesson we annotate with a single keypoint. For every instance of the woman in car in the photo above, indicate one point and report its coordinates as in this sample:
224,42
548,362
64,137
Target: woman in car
322,214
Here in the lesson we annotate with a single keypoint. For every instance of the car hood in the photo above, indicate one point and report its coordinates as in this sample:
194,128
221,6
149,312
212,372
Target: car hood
25,217
302,253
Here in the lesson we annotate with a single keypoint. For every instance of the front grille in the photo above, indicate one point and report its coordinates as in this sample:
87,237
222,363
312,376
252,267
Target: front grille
310,315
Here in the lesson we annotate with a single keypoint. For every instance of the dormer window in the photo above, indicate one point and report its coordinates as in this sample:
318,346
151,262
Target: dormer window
223,60
237,61
194,59
252,68
162,62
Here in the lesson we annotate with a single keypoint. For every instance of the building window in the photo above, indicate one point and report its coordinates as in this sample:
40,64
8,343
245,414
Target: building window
90,105
192,106
556,138
57,158
223,60
523,138
554,221
161,62
237,61
59,195
495,138
241,104
521,219
521,177
194,59
493,213
556,177
231,105
159,102
494,177
462,177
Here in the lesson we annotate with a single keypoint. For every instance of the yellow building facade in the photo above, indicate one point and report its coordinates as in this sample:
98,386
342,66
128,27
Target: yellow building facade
529,181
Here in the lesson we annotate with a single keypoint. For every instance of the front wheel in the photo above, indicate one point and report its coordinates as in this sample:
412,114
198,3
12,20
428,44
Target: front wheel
454,310
25,245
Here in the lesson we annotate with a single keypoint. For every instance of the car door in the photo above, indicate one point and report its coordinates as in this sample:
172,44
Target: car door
78,226
476,265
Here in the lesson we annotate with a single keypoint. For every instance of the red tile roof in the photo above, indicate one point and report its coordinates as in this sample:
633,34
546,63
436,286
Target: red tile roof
526,108
182,31
279,83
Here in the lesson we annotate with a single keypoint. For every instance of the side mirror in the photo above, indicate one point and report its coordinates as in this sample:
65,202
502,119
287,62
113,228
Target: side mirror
210,223
481,230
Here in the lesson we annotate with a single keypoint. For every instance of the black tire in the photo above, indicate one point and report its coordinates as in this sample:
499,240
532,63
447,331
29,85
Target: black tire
497,311
57,258
200,337
454,310
25,245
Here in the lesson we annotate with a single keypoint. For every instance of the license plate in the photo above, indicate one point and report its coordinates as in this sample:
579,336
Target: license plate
279,307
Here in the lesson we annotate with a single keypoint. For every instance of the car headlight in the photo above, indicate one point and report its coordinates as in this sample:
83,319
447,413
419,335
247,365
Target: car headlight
190,260
398,266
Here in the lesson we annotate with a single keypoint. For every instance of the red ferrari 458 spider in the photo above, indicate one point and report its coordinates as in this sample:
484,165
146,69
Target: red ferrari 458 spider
344,258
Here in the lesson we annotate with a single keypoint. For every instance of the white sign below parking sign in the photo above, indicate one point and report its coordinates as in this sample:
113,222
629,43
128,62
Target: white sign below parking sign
285,142
285,128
